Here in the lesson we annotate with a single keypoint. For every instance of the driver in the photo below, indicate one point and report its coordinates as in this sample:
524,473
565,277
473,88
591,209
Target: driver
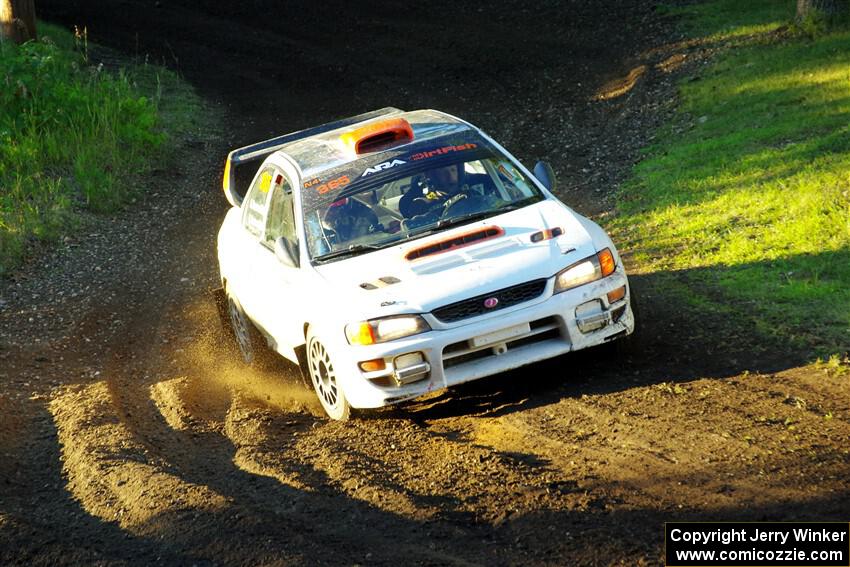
444,186
441,184
446,180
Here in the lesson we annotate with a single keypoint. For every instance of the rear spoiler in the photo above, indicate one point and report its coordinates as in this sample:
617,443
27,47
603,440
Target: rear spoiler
262,149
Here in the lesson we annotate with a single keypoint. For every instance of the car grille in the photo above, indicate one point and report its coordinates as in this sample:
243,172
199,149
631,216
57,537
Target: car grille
508,297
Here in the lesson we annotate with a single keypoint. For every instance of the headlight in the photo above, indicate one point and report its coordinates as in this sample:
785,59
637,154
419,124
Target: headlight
590,269
385,329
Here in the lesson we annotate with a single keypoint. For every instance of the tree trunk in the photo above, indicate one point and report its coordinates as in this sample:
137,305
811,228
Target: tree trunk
828,8
17,20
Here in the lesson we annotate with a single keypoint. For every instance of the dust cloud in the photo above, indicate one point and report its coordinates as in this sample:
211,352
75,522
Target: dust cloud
212,371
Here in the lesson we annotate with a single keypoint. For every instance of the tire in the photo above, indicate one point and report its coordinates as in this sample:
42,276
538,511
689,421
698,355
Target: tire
249,342
323,376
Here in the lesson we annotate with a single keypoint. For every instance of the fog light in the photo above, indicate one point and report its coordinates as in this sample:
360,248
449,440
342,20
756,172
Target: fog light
617,294
373,365
409,359
410,367
591,316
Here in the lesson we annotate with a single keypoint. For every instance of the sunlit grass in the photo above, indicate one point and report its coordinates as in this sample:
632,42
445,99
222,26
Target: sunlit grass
75,136
723,20
748,194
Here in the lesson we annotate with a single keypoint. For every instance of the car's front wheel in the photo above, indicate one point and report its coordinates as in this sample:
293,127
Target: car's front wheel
324,379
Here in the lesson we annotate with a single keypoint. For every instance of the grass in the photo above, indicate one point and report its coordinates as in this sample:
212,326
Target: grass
722,20
835,365
747,197
76,137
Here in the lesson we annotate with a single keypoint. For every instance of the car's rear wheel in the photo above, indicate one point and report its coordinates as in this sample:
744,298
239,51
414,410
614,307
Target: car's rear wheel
324,379
249,341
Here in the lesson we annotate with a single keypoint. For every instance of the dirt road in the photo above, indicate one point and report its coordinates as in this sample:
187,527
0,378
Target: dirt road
129,435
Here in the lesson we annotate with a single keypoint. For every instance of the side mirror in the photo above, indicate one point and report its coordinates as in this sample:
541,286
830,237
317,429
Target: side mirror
544,173
285,254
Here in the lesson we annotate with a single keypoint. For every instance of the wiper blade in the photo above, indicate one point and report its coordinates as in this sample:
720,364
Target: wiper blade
469,217
352,250
445,223
519,204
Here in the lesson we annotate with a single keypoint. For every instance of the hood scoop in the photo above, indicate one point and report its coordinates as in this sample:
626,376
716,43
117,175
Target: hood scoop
455,242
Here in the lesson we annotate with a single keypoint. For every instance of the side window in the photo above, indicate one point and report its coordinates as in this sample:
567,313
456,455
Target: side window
281,221
256,202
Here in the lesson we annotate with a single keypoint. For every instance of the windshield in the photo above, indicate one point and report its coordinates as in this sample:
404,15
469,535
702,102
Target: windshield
368,216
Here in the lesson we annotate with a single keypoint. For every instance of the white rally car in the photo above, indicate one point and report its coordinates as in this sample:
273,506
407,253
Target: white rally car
395,253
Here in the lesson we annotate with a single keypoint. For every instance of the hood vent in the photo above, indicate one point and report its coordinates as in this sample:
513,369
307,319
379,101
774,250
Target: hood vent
383,281
455,242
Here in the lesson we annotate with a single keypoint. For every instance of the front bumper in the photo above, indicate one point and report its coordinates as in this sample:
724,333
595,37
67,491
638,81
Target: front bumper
489,344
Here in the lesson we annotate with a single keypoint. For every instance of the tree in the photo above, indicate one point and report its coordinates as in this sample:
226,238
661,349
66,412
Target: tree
17,20
825,8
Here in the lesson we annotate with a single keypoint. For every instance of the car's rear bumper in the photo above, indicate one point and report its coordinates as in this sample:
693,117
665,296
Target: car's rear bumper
455,354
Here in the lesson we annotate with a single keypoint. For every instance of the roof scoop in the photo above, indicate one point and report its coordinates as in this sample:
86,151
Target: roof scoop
378,135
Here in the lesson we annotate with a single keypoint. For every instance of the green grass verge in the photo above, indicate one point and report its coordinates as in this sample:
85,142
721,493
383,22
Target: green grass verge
75,136
746,198
722,20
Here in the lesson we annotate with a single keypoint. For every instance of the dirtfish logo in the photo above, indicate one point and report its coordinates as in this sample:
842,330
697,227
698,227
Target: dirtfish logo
382,166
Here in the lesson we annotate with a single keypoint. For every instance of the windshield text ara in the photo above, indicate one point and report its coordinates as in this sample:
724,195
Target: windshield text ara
382,166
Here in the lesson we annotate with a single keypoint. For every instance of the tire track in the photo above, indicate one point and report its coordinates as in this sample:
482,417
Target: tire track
113,475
